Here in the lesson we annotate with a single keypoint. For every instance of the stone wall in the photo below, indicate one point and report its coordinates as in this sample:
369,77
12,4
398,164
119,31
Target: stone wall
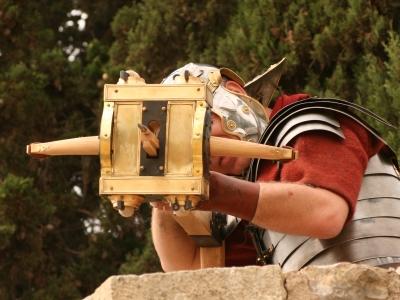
340,281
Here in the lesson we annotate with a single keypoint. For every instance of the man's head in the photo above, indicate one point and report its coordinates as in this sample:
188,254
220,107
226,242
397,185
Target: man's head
235,115
241,115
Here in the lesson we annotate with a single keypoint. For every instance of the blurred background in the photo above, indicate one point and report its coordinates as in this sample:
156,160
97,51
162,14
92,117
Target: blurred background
58,238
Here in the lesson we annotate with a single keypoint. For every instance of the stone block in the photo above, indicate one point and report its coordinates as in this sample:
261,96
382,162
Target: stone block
339,281
216,283
343,281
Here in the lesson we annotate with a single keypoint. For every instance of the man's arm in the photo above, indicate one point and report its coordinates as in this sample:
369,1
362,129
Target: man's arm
298,208
176,250
301,210
285,207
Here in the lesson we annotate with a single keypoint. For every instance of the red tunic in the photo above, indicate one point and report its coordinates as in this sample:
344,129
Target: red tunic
324,161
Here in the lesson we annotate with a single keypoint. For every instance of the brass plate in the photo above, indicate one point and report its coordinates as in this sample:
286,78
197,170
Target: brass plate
197,137
179,145
151,185
126,139
105,137
148,92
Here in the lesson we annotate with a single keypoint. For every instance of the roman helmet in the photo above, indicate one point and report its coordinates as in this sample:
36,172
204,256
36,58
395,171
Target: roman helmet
241,115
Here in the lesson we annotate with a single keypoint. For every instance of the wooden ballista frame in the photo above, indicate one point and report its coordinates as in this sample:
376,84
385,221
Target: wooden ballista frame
154,145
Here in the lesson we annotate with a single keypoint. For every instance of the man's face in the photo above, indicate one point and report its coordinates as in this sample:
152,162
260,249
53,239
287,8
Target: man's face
225,164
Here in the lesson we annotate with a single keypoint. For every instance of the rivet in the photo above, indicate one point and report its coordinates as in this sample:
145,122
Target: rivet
231,125
163,108
198,89
144,108
245,109
141,168
116,91
161,168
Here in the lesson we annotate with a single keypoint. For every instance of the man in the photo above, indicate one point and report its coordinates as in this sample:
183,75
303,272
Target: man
313,196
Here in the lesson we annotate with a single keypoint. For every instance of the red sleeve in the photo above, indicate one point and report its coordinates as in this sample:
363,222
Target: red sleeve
284,100
329,162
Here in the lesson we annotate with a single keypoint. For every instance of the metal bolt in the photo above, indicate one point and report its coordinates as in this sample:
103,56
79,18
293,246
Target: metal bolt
161,168
120,205
188,205
141,168
144,108
163,108
245,109
175,206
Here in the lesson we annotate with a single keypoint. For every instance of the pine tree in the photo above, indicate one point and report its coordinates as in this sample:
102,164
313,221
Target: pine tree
57,243
345,49
59,239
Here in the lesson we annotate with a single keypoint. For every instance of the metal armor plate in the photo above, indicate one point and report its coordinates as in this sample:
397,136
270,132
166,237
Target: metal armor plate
372,236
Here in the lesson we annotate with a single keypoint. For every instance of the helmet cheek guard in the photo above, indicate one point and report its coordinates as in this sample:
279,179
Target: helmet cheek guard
238,115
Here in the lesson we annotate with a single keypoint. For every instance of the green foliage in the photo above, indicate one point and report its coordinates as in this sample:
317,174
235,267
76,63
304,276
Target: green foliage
48,250
152,37
24,214
55,244
141,261
378,87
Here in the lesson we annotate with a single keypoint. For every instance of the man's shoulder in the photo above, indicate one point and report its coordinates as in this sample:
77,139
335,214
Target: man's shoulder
285,100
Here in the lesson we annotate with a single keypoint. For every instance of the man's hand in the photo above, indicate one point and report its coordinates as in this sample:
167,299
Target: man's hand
161,205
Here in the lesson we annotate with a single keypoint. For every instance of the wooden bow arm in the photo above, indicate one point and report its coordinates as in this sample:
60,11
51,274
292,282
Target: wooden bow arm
88,145
229,147
218,147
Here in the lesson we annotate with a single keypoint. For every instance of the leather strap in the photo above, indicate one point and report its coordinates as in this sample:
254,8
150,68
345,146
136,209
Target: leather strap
232,196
